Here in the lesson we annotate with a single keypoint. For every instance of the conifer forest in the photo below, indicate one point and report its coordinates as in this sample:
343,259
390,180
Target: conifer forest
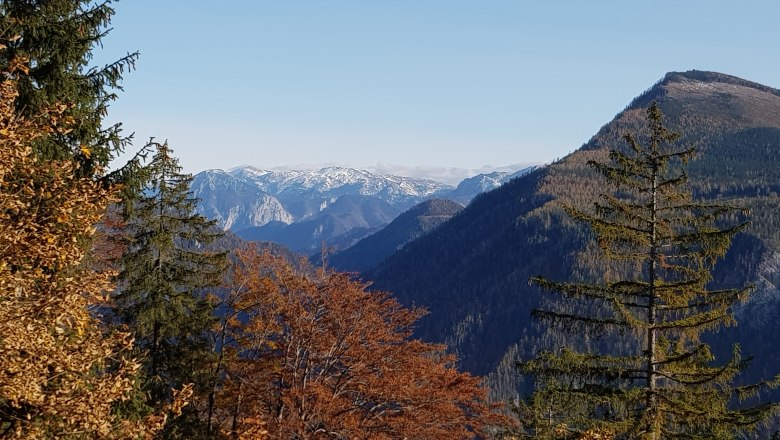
630,290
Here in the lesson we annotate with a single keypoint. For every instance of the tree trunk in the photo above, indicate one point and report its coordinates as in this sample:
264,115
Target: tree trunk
652,341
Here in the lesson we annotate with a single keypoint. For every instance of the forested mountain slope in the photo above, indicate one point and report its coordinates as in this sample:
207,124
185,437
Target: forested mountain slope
412,224
472,273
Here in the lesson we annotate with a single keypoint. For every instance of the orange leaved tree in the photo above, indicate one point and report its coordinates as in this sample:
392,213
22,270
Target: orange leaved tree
61,373
312,354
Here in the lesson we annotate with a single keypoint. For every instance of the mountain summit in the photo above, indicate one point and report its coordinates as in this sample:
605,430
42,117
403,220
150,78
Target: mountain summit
333,182
472,273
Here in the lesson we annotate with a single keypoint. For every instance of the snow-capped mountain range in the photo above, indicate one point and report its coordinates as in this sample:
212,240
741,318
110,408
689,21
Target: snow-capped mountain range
338,181
470,187
259,203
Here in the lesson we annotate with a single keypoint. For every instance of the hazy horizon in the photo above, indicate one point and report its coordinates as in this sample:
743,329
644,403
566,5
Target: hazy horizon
440,86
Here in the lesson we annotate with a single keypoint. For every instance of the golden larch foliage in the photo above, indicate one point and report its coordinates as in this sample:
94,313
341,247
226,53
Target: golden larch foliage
61,371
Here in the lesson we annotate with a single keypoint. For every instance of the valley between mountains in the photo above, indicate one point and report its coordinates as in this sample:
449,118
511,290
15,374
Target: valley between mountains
199,286
466,253
332,206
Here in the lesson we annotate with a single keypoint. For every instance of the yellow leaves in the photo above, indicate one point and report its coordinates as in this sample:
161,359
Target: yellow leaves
19,65
85,151
233,321
58,369
181,398
562,430
156,422
596,434
212,298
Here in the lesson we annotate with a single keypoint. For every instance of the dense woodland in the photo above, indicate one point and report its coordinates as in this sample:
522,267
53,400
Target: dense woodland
123,314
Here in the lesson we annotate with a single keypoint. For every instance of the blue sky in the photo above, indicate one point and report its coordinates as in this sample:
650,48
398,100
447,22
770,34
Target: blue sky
429,88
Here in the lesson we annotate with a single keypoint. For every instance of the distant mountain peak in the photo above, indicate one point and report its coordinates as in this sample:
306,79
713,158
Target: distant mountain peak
235,203
713,77
687,80
342,170
336,181
338,205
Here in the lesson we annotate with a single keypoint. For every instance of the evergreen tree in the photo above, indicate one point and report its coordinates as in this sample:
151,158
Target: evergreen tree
162,285
58,38
660,247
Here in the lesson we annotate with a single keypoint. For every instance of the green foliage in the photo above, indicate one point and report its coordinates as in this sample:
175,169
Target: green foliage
165,272
58,38
660,247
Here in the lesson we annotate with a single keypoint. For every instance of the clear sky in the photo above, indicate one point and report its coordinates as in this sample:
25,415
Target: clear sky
437,88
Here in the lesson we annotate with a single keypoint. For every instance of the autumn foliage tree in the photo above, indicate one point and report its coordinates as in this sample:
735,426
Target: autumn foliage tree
313,354
61,371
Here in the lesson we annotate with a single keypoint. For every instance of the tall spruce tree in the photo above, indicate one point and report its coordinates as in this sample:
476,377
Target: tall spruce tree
165,274
58,38
660,247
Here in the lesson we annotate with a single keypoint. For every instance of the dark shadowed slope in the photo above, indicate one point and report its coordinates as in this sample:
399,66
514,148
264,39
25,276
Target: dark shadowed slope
412,224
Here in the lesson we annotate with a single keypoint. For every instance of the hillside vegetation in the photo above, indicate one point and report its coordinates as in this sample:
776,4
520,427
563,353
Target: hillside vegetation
472,273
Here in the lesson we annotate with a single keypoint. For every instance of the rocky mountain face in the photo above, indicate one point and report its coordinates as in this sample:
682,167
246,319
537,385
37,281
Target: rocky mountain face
328,184
470,187
339,225
235,203
333,206
472,272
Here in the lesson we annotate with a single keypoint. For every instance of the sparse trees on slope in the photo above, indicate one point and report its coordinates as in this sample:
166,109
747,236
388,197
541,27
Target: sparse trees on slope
162,296
660,246
314,355
61,371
